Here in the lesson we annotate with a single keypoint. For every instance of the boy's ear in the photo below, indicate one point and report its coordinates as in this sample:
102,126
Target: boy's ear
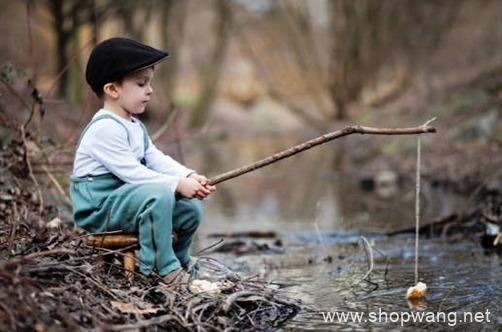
110,89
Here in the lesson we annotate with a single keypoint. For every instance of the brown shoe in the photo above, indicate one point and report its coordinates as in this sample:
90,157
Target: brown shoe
178,276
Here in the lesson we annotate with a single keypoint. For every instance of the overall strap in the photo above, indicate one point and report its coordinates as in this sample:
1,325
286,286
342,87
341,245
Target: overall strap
146,141
108,116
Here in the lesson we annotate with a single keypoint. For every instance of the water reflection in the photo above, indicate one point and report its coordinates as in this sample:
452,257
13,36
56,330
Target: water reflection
336,185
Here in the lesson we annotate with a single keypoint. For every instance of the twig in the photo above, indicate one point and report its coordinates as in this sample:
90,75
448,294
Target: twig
30,170
369,255
56,184
233,297
498,238
8,313
52,268
37,101
220,241
444,298
101,286
36,255
14,225
142,324
169,121
319,236
67,66
318,141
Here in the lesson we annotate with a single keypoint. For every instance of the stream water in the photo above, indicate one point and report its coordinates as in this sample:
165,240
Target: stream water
326,272
463,287
322,262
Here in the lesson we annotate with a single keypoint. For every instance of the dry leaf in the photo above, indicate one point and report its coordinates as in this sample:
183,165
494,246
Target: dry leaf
130,308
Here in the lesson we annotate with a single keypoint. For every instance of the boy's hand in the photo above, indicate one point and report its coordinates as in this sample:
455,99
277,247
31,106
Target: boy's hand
194,186
208,189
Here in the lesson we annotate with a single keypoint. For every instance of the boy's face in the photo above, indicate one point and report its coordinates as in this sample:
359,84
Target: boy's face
135,90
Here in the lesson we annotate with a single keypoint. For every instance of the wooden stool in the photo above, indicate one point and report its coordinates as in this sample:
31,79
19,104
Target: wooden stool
118,241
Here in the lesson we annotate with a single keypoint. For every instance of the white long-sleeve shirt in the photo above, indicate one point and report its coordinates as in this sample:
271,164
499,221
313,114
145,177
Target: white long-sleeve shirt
106,147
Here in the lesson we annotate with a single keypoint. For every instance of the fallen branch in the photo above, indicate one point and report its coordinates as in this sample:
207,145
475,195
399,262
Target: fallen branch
428,229
37,255
318,141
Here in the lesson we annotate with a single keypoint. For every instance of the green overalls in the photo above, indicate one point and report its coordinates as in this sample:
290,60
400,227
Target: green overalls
104,203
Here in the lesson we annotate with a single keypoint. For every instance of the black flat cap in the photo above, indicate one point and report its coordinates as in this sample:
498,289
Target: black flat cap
114,58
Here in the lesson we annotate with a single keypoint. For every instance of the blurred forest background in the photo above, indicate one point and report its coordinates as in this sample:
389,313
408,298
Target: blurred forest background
247,78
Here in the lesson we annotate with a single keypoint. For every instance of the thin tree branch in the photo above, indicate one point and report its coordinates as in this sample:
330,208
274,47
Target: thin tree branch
356,129
169,121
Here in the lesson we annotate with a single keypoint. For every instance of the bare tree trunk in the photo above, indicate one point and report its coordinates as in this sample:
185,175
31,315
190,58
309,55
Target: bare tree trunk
172,28
56,7
68,17
211,73
135,16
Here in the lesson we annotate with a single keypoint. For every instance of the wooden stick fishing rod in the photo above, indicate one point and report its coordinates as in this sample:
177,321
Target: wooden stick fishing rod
318,141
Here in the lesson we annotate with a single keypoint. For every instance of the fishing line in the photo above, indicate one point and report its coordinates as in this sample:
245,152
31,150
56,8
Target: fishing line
417,200
417,206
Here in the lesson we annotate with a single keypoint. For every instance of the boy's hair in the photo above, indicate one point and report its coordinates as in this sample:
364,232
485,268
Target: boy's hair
114,58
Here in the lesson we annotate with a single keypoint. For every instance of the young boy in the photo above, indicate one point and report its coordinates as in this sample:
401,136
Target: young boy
120,180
